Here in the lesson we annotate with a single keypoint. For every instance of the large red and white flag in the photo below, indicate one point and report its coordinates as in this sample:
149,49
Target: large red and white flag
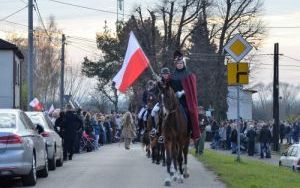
134,64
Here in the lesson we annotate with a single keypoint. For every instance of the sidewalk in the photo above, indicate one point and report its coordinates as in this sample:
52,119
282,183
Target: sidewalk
274,158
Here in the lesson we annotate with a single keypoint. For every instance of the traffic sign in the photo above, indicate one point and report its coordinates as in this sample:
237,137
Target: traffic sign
238,47
237,73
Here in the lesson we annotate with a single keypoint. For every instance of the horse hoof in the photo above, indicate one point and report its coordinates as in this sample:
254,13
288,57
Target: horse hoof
180,180
168,182
174,178
164,164
186,176
157,162
153,161
172,173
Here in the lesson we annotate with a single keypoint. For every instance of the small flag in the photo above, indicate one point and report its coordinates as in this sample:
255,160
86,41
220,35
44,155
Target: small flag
51,109
35,103
135,62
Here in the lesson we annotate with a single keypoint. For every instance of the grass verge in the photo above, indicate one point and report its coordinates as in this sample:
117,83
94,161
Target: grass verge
248,173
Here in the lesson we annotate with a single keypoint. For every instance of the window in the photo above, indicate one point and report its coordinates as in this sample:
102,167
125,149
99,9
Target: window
7,121
27,122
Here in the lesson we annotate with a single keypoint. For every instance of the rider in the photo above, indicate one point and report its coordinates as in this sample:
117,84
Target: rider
183,82
165,77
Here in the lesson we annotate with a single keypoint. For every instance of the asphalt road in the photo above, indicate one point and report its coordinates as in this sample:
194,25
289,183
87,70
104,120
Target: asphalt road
114,167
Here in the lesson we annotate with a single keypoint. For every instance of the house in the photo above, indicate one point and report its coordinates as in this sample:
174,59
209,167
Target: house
11,60
246,103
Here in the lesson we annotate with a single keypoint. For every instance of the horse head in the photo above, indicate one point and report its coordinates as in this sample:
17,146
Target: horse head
167,99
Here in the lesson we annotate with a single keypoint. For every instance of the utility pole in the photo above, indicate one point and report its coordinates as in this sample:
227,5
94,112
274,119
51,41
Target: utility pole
30,53
276,98
62,71
120,14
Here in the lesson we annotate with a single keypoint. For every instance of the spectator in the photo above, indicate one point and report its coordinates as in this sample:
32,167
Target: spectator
281,132
265,139
128,132
233,138
251,140
72,123
59,124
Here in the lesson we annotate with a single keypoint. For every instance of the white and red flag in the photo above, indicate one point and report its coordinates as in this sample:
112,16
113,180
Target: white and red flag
36,104
134,64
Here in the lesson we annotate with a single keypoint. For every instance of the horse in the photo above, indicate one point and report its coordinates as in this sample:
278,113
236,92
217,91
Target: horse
156,141
176,134
151,100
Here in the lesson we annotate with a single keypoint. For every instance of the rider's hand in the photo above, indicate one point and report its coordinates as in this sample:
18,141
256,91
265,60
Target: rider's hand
179,94
156,77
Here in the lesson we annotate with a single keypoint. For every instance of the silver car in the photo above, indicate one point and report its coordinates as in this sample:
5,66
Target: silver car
22,149
54,141
291,158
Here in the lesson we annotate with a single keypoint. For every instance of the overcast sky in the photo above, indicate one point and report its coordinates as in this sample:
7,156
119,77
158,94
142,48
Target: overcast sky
85,23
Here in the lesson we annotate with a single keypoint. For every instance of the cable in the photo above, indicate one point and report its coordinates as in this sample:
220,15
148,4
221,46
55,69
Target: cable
84,7
3,19
82,39
279,65
295,59
23,2
37,10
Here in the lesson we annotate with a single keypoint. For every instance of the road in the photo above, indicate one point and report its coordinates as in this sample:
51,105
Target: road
114,167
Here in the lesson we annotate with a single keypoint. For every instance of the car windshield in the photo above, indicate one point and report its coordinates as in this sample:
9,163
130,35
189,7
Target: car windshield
7,121
37,119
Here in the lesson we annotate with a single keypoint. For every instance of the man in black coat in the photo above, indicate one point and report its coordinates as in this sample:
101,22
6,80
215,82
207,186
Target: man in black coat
265,139
282,132
251,140
72,125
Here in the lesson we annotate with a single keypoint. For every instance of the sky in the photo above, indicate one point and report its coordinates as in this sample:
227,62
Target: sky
79,22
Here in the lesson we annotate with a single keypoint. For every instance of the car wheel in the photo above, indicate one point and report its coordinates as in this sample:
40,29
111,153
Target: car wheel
52,163
44,172
30,179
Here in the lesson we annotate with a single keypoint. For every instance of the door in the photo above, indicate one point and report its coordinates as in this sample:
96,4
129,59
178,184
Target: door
38,141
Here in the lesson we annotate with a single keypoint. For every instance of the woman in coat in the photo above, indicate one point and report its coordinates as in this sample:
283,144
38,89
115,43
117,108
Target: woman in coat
128,131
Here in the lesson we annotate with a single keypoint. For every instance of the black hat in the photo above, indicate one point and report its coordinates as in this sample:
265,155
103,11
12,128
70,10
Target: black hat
177,55
165,70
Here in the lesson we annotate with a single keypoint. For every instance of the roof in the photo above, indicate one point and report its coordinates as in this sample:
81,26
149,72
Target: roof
4,45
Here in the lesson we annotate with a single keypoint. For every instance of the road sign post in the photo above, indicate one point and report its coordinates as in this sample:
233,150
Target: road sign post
237,73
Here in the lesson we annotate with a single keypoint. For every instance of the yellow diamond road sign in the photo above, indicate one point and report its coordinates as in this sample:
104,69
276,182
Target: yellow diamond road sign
238,47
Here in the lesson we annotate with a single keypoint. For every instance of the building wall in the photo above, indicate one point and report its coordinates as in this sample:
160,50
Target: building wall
245,104
6,79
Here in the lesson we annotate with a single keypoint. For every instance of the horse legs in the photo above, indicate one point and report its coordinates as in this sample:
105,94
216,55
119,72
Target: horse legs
174,158
185,155
169,160
180,160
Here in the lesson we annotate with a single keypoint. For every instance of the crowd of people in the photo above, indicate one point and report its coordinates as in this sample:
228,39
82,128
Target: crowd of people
88,131
256,137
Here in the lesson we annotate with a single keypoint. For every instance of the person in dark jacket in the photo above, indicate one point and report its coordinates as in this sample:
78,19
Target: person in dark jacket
108,130
281,132
228,139
251,134
265,138
72,125
59,124
233,138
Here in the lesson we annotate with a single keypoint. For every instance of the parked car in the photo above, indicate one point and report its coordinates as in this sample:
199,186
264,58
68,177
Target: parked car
54,141
22,149
291,158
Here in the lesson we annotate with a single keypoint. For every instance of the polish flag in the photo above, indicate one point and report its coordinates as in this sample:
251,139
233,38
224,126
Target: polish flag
35,103
134,64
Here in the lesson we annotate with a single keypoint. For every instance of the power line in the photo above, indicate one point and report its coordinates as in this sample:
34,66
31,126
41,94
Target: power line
84,7
279,65
295,59
16,12
82,39
23,2
37,10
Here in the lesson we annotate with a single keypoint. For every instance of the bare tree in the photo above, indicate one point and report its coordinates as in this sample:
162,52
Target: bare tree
47,62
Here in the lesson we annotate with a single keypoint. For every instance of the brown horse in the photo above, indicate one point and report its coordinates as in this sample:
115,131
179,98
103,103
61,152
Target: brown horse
175,131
